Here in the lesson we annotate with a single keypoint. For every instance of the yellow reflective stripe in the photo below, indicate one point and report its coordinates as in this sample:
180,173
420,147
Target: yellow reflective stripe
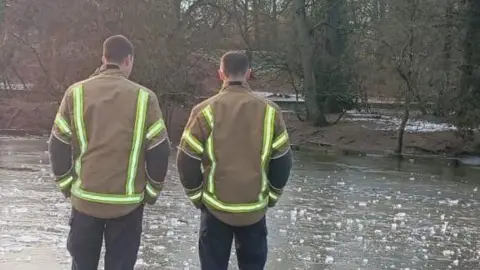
155,129
273,196
106,198
209,196
80,126
195,196
153,192
192,142
62,124
276,190
213,167
208,113
64,182
268,129
267,133
280,140
142,103
82,141
235,208
210,183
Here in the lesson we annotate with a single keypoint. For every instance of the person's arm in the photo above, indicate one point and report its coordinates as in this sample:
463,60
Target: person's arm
280,161
60,149
189,157
157,151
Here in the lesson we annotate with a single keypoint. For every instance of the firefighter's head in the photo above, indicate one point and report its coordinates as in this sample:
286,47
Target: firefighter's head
234,66
118,50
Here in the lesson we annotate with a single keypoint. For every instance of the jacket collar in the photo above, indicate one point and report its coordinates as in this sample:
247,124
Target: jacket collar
108,69
235,86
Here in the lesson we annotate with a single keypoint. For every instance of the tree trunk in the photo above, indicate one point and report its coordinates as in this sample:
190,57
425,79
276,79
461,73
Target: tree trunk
375,11
314,112
177,9
274,25
382,6
466,117
407,76
256,22
447,51
471,54
403,124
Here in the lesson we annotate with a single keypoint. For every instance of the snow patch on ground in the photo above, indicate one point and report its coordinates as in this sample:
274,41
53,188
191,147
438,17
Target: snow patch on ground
389,123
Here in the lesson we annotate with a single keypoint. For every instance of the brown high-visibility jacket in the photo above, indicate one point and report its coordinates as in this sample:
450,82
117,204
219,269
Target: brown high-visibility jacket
234,136
109,145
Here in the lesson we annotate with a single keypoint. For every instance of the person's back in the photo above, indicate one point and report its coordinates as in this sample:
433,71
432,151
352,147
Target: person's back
109,152
234,136
114,127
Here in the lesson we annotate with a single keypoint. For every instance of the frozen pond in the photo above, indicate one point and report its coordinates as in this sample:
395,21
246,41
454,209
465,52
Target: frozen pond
337,213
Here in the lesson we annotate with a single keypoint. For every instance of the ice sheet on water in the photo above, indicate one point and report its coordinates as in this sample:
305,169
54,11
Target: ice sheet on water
20,210
399,216
452,202
329,260
28,239
448,253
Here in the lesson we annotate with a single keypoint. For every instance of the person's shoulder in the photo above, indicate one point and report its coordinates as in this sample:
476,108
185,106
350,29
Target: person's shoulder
263,100
136,86
273,104
75,85
203,104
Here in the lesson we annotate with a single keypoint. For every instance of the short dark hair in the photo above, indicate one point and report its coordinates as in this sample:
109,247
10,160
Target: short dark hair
235,63
117,48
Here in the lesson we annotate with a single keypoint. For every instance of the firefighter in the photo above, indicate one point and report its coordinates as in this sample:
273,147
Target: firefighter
109,153
234,160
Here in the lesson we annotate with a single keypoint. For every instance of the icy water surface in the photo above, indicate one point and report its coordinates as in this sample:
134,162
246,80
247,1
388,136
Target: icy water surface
337,213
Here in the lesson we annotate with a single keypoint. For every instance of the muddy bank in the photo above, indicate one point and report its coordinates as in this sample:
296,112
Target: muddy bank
347,137
350,137
27,116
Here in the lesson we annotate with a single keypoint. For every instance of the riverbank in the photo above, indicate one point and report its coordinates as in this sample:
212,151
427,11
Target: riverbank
349,136
361,138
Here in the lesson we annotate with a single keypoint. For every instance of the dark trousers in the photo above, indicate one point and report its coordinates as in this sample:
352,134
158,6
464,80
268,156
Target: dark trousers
122,240
215,243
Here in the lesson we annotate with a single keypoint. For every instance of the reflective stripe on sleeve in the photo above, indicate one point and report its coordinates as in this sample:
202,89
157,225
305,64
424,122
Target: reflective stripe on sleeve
153,192
63,125
192,142
195,196
65,182
273,196
280,140
155,129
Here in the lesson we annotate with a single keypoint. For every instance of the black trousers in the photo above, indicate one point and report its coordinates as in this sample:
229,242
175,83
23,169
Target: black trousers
215,243
122,240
